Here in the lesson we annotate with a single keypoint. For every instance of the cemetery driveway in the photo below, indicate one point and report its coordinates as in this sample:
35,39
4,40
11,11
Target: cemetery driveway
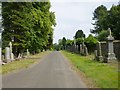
53,71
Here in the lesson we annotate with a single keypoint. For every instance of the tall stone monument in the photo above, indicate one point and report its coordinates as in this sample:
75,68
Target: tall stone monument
111,54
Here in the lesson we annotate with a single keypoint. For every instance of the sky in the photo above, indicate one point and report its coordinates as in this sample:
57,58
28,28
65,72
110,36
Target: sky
73,15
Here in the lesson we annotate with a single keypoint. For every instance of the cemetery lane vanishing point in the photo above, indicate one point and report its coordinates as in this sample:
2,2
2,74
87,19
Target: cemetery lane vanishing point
52,72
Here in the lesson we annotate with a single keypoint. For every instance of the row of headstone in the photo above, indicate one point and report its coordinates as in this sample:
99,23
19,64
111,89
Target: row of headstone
83,49
110,54
9,56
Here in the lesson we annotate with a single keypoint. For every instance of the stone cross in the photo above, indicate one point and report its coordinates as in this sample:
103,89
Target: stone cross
109,31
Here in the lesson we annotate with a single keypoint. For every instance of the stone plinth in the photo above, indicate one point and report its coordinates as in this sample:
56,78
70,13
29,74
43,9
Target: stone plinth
111,54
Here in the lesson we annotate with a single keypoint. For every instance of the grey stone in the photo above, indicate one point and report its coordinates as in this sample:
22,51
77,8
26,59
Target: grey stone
100,57
11,54
81,49
28,53
111,54
86,51
12,57
7,54
96,55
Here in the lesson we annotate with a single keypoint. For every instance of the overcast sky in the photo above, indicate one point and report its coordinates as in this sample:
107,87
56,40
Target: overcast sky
72,16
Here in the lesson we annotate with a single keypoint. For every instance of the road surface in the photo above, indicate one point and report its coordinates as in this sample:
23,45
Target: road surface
53,71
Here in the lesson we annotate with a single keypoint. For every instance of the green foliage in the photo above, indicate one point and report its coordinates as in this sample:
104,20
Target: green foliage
103,35
79,34
91,42
105,19
56,46
30,25
69,42
100,15
114,21
79,41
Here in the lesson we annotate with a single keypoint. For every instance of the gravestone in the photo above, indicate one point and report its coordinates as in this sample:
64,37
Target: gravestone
12,57
3,57
28,53
0,47
96,55
111,54
83,49
11,54
86,51
7,55
80,49
100,57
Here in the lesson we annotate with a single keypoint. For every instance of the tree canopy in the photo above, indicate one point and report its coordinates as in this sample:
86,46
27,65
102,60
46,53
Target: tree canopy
105,19
79,34
29,24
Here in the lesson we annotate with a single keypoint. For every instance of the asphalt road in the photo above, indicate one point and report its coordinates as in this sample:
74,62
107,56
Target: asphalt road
53,71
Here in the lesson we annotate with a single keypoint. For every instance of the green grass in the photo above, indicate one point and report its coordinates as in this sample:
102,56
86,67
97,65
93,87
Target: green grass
103,75
21,64
16,65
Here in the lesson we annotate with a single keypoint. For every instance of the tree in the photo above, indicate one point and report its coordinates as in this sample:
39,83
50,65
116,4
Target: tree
114,21
100,16
105,19
91,42
79,34
64,43
69,42
30,25
103,35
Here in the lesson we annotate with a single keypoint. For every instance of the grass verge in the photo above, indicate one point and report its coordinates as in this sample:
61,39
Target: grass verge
21,64
102,75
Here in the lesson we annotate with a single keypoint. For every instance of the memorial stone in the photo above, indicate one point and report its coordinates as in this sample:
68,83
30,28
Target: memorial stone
7,54
111,54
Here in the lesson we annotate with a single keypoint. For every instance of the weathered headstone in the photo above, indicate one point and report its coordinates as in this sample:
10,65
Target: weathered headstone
28,53
111,54
11,54
100,57
86,51
81,49
76,49
96,55
19,56
0,47
7,54
3,57
12,57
